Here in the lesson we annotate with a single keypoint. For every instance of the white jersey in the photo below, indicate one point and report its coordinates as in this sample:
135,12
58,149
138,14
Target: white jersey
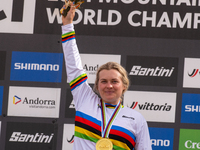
129,130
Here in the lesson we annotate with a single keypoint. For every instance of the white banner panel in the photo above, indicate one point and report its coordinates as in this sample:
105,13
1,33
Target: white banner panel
191,73
91,62
27,14
34,102
68,136
154,106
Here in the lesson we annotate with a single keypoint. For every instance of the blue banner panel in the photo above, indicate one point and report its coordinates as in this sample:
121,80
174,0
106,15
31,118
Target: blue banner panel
35,66
162,138
190,112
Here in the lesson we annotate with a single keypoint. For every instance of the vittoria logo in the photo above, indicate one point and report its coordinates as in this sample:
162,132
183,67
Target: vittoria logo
194,73
33,138
154,106
151,106
154,71
191,73
68,136
71,140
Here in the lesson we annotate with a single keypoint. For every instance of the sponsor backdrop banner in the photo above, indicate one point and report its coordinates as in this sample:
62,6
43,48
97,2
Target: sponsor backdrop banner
190,108
162,138
154,106
68,136
157,42
34,102
41,67
191,73
189,139
157,71
91,62
32,136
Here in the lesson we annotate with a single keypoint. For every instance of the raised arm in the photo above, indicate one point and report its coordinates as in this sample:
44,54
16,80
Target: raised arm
70,49
77,77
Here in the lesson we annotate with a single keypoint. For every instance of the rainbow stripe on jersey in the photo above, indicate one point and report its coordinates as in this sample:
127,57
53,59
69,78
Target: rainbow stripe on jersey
78,81
89,128
68,36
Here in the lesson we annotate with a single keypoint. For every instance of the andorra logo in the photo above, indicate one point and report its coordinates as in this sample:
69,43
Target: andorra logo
194,73
16,100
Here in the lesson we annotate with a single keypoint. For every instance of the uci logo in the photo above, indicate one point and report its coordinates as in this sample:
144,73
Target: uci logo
17,16
2,15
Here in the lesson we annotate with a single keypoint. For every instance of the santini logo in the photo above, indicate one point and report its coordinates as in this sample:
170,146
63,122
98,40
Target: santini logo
158,71
194,73
192,108
35,66
31,138
151,106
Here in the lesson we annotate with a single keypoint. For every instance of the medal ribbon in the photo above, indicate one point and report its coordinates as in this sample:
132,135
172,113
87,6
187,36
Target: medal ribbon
106,127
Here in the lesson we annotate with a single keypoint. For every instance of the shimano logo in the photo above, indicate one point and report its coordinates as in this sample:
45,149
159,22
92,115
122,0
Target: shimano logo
192,108
158,71
30,138
36,66
160,142
192,145
151,106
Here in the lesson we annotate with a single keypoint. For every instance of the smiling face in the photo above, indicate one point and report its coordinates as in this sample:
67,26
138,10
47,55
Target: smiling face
110,86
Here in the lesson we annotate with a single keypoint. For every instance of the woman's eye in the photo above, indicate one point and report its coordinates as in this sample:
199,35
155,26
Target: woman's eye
115,81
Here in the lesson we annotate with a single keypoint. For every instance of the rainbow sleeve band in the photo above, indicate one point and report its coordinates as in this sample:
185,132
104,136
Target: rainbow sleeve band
68,36
78,81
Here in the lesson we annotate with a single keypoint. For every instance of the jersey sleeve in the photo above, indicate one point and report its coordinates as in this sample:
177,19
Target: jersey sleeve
143,141
76,76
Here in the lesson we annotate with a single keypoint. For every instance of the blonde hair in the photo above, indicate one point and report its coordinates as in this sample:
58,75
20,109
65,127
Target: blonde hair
115,66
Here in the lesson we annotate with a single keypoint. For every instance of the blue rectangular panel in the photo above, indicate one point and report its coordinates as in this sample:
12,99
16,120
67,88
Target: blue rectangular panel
35,66
162,138
190,112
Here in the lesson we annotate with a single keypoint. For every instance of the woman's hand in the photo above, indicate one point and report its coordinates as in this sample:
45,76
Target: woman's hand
70,15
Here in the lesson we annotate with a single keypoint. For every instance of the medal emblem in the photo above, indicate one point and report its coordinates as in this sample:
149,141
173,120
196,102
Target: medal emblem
104,144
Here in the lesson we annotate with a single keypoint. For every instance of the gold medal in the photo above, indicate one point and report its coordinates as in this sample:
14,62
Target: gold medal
104,144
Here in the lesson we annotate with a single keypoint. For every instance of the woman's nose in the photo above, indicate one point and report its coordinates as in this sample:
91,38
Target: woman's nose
109,85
